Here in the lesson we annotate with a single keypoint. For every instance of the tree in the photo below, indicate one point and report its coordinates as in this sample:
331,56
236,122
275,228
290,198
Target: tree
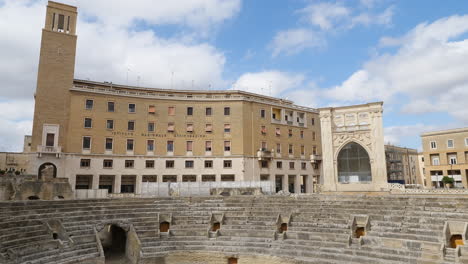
448,181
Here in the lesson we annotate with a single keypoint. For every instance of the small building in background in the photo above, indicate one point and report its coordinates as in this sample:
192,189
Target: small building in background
402,165
446,154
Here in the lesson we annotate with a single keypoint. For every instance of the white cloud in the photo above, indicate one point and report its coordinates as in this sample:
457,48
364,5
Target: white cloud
295,40
325,15
429,67
396,134
273,83
16,117
109,42
193,13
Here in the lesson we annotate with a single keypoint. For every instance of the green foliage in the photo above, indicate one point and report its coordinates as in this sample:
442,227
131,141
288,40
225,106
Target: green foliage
17,172
447,180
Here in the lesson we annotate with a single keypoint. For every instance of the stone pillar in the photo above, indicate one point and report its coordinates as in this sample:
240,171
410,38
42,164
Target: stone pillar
95,182
328,163
138,181
199,178
117,183
297,185
285,183
218,177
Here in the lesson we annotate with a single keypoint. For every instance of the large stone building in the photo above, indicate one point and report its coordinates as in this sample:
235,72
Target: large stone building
402,165
446,154
115,137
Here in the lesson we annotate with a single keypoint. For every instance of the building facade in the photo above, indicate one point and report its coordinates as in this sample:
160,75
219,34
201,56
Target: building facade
446,154
116,137
108,136
402,165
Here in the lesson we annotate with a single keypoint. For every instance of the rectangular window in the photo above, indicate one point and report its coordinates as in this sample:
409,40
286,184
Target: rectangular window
61,22
227,164
50,139
313,121
189,146
435,160
208,178
208,111
190,127
86,142
264,164
109,144
227,128
150,126
226,178
227,111
110,124
453,160
170,127
433,145
89,104
149,164
278,148
208,164
314,150
302,133
131,108
263,146
110,106
262,113
291,165
150,145
151,109
263,130
290,149
107,163
208,146
189,111
170,146
169,164
450,143
279,165
208,128
131,125
304,165
227,145
171,110
189,164
278,132
466,142
129,144
129,164
85,163
313,135
290,133
88,122
302,150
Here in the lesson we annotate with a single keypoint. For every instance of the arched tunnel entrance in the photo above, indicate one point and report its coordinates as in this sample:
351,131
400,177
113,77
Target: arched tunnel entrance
114,242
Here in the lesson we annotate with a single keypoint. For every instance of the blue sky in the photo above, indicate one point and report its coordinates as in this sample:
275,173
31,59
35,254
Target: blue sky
413,55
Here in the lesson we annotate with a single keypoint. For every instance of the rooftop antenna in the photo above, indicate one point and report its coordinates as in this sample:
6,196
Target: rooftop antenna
128,70
172,78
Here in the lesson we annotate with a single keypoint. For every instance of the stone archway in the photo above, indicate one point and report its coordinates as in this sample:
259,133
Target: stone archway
354,164
114,242
46,171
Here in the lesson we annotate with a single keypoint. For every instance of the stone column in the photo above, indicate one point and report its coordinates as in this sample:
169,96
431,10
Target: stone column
329,177
285,183
138,181
297,185
117,183
95,182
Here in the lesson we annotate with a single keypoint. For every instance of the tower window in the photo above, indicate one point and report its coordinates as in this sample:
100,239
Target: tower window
110,106
89,104
131,108
88,122
61,23
227,111
86,142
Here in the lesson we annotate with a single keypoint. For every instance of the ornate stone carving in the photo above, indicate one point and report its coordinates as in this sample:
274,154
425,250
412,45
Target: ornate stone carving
360,137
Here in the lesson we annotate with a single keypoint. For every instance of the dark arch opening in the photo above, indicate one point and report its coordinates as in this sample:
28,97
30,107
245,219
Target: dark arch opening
456,240
164,227
33,197
55,236
232,261
354,164
114,242
216,226
47,170
283,228
360,231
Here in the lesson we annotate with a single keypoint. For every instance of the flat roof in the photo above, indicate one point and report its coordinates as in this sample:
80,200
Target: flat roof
447,131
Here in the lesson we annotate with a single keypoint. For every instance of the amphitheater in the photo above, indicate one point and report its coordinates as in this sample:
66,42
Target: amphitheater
237,229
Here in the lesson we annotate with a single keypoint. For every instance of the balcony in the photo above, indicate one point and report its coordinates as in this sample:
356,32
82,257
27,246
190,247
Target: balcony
264,154
314,158
49,150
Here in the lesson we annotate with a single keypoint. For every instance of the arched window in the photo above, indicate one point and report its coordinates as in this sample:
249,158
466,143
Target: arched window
46,171
354,164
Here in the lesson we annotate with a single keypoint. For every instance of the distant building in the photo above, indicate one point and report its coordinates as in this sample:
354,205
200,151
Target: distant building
11,161
446,154
422,168
402,165
27,144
